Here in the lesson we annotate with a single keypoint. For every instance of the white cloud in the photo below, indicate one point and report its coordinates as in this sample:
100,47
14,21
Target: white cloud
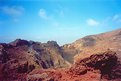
92,22
43,14
12,10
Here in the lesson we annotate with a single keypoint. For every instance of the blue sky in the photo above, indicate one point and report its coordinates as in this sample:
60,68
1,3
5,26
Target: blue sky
61,20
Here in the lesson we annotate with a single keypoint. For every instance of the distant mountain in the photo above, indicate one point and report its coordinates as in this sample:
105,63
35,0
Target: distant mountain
91,44
91,58
21,56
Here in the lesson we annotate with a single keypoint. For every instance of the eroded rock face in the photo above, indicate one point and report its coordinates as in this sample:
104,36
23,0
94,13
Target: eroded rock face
78,70
103,66
49,54
38,77
20,57
105,62
3,55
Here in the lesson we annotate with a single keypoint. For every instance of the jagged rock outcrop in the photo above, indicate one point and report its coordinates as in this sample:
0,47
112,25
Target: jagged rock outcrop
49,55
3,55
19,42
24,60
105,63
21,57
103,66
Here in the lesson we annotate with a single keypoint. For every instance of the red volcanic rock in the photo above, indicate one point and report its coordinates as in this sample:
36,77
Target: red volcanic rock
78,70
62,75
20,57
15,70
25,67
23,60
98,67
3,55
104,62
37,77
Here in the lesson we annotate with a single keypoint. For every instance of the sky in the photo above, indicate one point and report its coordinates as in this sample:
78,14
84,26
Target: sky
63,21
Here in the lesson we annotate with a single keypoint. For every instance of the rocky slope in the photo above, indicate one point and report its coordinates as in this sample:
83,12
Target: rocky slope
20,57
103,66
94,44
91,58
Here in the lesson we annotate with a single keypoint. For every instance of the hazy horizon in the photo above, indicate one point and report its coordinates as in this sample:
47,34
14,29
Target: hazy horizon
61,21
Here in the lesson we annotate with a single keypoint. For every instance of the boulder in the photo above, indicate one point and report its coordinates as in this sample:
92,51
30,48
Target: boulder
105,62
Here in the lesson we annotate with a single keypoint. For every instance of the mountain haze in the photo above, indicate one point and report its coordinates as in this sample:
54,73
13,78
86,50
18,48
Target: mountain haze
95,43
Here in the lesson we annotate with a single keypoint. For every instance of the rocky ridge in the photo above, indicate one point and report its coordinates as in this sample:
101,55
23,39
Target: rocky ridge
21,57
91,58
103,66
